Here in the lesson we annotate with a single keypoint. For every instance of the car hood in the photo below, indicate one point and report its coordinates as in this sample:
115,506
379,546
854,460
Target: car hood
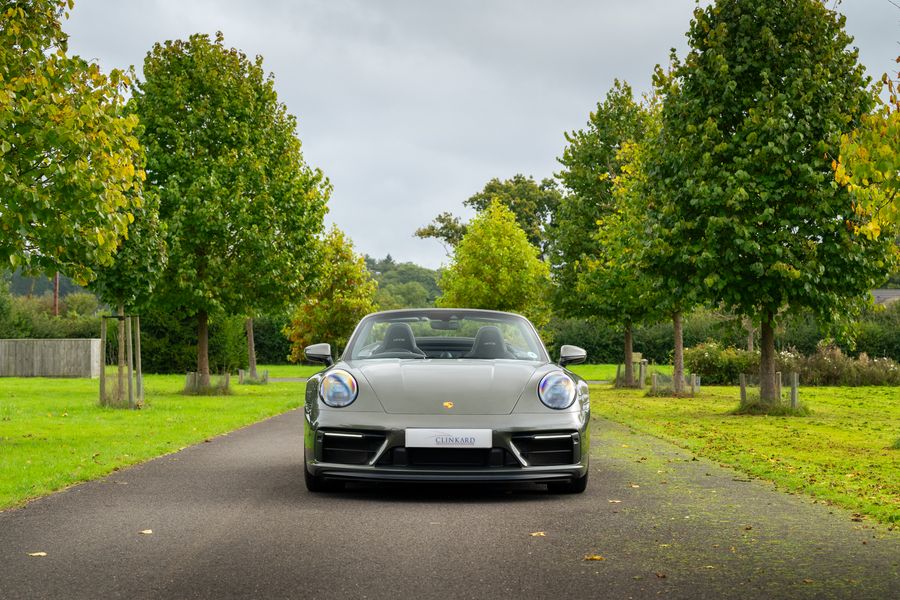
474,387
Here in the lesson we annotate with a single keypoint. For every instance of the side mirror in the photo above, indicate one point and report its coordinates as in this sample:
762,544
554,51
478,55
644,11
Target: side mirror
319,353
571,355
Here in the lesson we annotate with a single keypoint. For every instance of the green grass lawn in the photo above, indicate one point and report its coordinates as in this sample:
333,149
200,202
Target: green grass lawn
289,370
842,453
54,434
608,372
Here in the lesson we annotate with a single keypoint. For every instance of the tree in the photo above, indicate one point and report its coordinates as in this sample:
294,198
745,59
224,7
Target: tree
446,228
590,166
241,207
614,281
403,285
129,281
70,171
532,204
743,205
869,163
344,295
495,267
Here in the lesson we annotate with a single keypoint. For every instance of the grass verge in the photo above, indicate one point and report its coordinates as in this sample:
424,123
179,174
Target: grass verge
53,433
841,454
280,371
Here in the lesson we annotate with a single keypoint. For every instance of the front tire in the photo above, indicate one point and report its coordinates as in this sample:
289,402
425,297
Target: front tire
575,486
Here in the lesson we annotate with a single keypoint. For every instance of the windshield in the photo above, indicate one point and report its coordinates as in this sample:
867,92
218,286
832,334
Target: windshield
446,335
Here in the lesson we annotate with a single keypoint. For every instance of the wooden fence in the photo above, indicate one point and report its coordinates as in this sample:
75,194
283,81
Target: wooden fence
50,358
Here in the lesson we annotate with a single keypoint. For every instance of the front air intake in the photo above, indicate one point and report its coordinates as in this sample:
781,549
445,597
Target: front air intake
546,449
349,448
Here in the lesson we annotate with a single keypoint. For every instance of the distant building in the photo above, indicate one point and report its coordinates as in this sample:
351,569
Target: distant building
885,297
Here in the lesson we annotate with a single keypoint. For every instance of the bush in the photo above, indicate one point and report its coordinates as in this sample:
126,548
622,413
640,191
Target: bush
169,344
272,346
828,365
77,304
602,342
32,317
719,366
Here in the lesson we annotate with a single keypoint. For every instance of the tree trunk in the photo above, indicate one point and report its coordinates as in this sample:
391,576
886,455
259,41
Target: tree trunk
203,348
629,358
251,350
120,332
56,295
768,395
678,373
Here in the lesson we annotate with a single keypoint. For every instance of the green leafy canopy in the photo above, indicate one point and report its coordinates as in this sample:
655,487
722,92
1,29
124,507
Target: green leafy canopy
495,267
70,165
743,201
241,207
344,295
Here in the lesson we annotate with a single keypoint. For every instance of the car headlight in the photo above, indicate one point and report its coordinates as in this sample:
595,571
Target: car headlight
557,390
338,389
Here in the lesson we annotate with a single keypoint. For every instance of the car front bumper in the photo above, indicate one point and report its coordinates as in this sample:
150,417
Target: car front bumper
359,446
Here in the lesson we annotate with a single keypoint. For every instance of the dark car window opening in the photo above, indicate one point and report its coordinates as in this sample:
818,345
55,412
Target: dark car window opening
436,334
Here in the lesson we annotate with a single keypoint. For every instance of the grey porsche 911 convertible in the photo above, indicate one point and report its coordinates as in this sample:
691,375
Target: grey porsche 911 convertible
446,395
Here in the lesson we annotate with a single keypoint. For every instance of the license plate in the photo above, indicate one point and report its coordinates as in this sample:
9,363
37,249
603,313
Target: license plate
449,438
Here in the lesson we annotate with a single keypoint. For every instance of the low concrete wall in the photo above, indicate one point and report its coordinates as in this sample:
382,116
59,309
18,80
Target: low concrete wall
50,358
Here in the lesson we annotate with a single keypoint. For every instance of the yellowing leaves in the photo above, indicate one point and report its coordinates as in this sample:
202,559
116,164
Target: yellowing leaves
593,557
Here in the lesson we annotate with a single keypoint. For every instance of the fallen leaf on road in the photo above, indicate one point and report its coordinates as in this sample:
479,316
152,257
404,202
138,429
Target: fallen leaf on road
593,557
615,501
37,554
146,532
538,534
634,485
748,527
807,581
709,567
661,575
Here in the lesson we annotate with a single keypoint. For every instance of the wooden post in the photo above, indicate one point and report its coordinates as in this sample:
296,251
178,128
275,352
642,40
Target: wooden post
266,376
642,374
743,389
654,383
241,376
795,390
137,356
693,384
130,352
778,384
102,361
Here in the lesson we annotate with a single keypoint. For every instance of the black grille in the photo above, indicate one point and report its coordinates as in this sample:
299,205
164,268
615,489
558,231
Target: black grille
350,448
448,457
544,449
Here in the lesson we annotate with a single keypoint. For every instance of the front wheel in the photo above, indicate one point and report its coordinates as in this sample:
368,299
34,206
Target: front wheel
576,486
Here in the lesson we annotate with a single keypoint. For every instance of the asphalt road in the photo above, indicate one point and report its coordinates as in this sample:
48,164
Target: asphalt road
232,518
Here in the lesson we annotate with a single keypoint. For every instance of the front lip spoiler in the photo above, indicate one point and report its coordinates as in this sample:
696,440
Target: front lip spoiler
566,475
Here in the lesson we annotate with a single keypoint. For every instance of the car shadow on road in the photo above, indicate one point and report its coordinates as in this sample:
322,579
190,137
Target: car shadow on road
442,493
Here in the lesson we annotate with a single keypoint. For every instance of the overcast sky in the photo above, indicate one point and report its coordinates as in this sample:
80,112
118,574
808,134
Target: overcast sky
411,106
